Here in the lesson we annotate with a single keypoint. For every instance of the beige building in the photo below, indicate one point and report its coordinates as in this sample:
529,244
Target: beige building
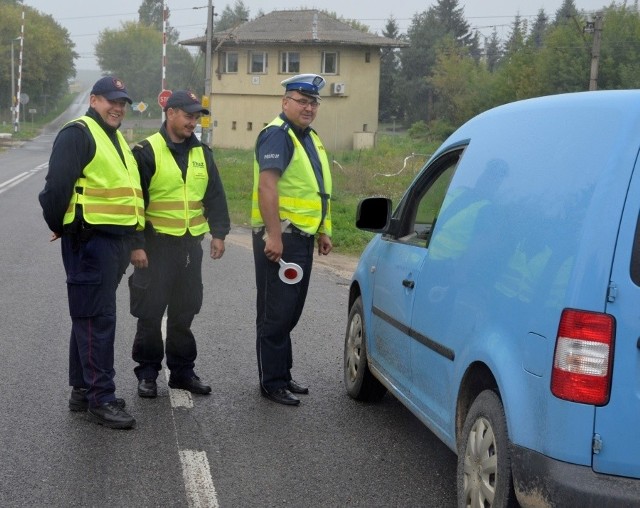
250,61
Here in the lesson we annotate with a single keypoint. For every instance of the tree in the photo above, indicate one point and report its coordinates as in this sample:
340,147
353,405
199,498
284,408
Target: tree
445,19
566,13
459,82
564,61
151,13
518,76
620,50
539,29
232,17
353,23
517,37
493,51
134,54
389,65
47,58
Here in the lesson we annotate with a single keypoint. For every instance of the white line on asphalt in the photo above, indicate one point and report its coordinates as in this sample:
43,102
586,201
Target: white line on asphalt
197,479
196,473
12,182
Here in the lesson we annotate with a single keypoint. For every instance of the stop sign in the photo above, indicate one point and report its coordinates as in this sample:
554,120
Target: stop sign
163,97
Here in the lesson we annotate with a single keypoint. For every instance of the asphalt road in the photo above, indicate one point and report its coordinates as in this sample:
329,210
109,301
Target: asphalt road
230,449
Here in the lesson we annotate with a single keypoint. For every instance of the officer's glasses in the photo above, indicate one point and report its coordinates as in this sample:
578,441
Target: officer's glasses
306,103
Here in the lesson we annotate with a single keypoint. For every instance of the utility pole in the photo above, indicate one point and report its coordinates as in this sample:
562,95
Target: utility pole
13,81
206,122
596,27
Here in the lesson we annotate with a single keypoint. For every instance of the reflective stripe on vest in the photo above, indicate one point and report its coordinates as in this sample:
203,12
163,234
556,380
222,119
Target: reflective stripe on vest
298,189
175,206
110,191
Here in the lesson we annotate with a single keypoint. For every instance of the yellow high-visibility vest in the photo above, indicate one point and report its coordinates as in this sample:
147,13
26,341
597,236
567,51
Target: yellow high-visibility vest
298,189
175,205
110,191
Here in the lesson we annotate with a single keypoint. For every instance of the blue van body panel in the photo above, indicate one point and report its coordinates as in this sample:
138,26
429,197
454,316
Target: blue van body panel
558,171
618,422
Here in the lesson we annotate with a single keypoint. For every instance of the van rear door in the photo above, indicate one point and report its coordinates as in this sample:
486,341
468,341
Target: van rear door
617,424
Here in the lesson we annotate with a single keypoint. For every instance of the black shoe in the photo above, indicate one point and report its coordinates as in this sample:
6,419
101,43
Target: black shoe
78,400
148,388
111,415
281,396
192,384
297,388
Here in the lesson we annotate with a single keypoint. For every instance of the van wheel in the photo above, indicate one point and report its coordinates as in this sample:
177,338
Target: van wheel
360,383
484,461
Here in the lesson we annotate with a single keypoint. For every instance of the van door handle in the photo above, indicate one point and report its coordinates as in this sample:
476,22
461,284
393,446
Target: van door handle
408,283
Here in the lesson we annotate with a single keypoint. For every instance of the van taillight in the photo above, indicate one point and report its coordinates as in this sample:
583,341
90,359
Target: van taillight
583,357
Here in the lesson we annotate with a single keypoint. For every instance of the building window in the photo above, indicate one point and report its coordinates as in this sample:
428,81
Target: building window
233,125
290,62
329,62
229,62
249,126
257,62
367,57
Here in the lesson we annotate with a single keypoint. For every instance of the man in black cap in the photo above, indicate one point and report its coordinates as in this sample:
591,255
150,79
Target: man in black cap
291,207
92,200
184,199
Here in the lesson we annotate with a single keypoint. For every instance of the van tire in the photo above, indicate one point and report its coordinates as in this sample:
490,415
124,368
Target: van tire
358,380
485,420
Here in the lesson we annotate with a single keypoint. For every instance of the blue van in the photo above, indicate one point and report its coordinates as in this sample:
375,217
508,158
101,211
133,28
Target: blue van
500,302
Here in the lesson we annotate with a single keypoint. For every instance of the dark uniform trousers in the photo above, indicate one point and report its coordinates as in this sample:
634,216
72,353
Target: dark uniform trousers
172,282
94,263
279,306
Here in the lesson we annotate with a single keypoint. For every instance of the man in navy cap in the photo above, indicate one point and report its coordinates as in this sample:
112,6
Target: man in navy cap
92,200
184,200
290,208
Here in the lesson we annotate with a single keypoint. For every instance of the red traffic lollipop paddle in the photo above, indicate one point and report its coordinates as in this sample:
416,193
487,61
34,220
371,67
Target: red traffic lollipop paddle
290,273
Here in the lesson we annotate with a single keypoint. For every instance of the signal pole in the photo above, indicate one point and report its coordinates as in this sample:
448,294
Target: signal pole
163,85
16,122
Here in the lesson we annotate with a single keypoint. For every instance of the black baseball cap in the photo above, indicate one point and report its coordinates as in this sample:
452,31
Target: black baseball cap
187,101
111,88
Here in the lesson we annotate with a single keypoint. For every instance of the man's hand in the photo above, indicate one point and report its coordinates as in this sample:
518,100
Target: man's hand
324,244
217,248
139,258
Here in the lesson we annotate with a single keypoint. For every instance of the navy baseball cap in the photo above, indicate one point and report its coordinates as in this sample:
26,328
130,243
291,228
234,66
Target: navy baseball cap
187,101
111,89
306,84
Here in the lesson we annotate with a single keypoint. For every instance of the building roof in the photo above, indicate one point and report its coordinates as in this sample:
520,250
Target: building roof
298,27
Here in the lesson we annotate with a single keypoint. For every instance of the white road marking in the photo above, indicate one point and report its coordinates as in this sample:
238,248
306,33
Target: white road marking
12,182
197,480
196,473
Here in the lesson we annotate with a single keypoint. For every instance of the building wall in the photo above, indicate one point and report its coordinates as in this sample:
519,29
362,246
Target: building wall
242,103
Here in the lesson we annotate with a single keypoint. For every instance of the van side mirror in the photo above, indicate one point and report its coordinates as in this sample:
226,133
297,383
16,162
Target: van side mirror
373,214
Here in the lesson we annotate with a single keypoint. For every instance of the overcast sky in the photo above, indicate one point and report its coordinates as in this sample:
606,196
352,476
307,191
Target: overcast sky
86,18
